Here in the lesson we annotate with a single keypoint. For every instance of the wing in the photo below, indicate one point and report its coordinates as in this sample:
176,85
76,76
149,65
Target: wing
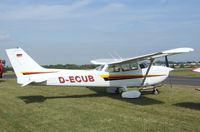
143,57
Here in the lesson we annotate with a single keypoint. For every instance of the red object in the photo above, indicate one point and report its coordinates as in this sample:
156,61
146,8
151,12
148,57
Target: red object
195,68
1,68
19,55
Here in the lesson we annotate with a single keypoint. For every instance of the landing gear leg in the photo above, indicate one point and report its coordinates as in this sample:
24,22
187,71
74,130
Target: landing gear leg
117,91
121,90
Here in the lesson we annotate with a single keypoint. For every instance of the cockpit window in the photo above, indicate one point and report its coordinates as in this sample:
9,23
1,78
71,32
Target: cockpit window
113,68
129,66
116,68
122,67
126,67
134,66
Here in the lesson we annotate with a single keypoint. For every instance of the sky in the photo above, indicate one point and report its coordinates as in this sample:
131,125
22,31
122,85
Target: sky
77,31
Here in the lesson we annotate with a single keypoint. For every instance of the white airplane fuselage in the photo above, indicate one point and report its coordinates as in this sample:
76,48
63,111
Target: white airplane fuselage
95,78
114,74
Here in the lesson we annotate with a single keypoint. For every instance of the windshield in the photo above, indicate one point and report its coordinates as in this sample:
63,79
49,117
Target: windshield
100,68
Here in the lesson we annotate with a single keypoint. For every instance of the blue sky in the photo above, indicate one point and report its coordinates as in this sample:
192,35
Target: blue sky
76,31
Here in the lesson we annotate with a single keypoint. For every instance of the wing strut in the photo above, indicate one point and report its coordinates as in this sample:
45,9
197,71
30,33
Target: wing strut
147,72
166,61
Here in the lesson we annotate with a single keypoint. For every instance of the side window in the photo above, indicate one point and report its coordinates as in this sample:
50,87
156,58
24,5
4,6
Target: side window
126,67
113,68
134,66
122,67
129,66
116,68
110,68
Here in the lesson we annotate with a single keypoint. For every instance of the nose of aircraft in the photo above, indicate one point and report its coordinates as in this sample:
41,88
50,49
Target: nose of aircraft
169,69
165,70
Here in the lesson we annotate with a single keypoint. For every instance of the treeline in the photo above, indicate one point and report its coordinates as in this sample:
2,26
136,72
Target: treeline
91,66
71,66
178,63
172,64
63,66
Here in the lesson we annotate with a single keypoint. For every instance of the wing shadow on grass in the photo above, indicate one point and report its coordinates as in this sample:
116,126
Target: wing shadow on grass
99,93
190,105
40,98
2,80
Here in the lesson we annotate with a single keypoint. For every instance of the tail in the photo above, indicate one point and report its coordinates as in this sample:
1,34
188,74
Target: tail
24,66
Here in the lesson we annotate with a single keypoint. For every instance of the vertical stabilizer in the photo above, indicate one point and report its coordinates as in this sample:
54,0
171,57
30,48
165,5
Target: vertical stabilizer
22,63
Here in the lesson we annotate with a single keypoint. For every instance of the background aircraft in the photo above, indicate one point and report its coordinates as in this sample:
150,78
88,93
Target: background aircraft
196,69
114,74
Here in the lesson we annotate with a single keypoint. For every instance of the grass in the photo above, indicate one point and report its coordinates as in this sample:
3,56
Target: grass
42,108
9,72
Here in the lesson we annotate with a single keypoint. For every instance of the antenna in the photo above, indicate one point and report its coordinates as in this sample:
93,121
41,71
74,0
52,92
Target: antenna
118,55
111,55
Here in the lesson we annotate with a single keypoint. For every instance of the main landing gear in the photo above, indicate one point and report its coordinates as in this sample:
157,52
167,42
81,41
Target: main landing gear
131,94
155,91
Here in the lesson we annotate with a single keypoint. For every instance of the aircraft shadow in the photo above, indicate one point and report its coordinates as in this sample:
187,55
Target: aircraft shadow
2,80
99,93
40,98
142,100
190,105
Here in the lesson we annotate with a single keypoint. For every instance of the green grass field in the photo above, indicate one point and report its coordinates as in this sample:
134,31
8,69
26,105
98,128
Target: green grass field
42,108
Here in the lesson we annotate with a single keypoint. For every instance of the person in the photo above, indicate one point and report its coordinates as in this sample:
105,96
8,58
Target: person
1,68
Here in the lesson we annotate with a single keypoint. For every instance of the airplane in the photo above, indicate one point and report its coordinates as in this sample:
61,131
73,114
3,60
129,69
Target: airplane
117,75
196,69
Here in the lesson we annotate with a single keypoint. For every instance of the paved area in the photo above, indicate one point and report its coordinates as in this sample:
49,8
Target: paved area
193,81
9,76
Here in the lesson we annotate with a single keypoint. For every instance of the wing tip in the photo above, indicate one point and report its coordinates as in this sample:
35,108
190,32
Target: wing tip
179,50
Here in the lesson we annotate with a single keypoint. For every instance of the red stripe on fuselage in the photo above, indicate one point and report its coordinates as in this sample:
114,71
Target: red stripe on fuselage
110,78
33,73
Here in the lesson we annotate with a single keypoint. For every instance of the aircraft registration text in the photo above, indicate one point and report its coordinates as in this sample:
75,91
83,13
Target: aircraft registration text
76,79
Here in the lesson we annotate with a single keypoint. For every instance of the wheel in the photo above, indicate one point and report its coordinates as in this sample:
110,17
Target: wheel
1,76
155,91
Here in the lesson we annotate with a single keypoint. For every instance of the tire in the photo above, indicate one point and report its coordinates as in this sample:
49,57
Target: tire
155,92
